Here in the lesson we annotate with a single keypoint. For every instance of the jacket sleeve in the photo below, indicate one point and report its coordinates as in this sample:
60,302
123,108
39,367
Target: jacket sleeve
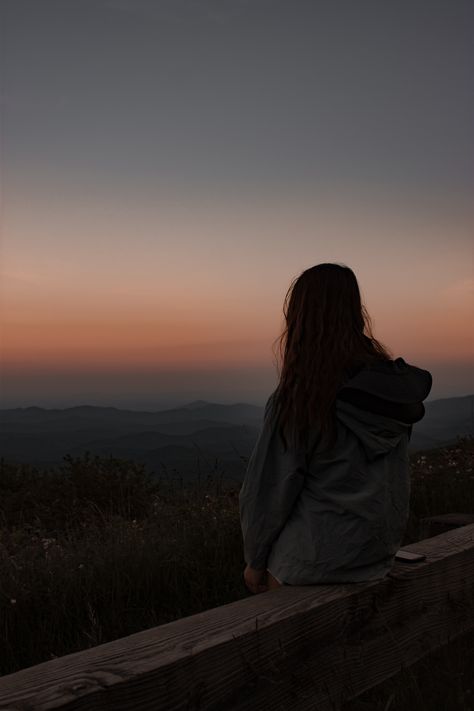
272,483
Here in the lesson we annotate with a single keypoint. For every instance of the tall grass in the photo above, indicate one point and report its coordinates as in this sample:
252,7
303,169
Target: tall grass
98,549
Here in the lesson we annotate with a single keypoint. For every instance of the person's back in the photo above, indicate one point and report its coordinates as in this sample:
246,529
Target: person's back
350,516
318,513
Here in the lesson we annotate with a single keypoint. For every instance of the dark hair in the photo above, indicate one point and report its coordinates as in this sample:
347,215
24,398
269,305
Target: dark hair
322,342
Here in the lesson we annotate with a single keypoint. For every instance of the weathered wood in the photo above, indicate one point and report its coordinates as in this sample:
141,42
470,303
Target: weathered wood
298,647
434,525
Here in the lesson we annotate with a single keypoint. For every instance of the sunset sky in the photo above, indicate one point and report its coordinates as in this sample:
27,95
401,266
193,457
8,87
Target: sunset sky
169,167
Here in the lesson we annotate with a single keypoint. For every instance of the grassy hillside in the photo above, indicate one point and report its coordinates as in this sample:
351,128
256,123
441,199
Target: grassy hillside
97,550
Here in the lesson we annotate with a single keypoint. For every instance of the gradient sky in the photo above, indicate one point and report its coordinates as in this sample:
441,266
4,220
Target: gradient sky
169,166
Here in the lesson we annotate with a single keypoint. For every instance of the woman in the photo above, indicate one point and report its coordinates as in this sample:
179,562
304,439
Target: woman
325,497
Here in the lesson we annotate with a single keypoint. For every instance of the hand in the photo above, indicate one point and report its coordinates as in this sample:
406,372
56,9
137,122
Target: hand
255,580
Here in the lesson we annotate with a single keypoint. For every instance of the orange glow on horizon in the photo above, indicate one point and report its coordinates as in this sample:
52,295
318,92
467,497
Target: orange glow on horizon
212,296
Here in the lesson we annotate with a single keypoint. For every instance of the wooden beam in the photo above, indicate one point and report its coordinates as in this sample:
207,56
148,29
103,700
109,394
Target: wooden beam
299,647
434,525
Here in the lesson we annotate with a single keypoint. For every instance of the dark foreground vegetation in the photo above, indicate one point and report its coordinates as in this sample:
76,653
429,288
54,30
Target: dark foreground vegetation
98,549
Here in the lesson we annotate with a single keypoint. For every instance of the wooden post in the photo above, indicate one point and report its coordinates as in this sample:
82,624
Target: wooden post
301,647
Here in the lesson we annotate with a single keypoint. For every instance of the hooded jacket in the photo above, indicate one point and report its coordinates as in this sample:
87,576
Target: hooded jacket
336,516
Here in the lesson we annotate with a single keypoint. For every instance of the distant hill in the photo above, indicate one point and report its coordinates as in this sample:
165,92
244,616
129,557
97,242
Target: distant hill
195,437
444,419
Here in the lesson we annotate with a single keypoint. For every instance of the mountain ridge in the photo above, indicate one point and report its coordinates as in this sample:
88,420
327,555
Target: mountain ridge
172,436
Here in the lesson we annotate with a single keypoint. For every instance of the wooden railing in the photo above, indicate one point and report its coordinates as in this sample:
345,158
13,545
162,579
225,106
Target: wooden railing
295,647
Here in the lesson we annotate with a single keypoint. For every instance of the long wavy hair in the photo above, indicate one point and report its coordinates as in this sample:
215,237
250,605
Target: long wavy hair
322,342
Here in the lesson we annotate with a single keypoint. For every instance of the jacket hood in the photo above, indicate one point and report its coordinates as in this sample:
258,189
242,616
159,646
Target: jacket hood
394,380
397,381
376,433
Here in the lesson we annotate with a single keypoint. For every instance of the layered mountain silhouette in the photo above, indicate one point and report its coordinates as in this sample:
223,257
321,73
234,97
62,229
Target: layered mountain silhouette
197,437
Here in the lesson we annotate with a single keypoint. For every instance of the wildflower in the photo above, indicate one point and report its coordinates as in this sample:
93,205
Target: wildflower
47,542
